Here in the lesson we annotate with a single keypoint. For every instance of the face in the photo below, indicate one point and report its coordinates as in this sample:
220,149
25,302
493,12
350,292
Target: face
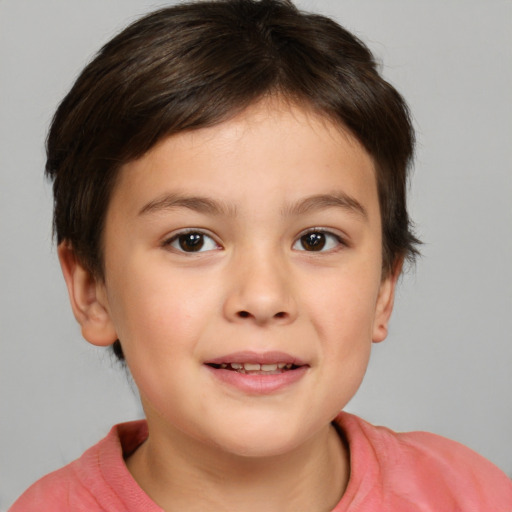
243,278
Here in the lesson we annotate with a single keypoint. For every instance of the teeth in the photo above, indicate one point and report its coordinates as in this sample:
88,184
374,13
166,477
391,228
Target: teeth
251,367
256,367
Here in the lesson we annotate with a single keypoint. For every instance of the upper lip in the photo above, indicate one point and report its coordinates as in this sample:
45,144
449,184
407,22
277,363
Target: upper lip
257,358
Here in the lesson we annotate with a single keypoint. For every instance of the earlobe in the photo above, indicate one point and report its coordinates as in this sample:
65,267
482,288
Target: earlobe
87,297
385,302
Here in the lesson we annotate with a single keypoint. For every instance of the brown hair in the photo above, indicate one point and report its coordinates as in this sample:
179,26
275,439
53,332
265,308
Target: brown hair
197,64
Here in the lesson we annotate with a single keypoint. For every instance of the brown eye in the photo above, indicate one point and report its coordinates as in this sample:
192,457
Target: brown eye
318,241
313,241
192,241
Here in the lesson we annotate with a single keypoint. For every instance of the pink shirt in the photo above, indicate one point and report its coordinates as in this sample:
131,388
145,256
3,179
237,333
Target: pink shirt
395,472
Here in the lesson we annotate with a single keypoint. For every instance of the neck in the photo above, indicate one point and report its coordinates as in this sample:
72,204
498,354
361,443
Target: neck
188,475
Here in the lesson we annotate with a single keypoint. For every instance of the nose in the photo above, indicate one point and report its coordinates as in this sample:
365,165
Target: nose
260,291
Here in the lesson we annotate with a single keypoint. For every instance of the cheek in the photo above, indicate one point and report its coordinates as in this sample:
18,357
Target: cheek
342,309
155,312
159,326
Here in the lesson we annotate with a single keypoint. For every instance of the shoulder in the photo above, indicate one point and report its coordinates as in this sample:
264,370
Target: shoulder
57,491
419,467
85,484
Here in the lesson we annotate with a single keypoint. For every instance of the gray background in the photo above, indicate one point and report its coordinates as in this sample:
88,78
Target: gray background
446,366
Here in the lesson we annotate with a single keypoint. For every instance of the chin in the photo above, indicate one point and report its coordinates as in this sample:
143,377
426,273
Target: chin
259,448
260,440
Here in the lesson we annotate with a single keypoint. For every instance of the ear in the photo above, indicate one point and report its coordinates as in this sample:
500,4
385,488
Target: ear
88,299
385,302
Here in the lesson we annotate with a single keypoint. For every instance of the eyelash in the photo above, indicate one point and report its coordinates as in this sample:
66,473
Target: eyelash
176,239
322,241
338,240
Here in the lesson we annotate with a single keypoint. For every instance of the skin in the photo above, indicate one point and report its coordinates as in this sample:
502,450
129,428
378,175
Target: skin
255,286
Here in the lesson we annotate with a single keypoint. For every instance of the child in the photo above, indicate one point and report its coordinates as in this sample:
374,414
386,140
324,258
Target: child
230,209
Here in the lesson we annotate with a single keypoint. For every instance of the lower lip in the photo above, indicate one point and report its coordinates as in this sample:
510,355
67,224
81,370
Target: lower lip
258,384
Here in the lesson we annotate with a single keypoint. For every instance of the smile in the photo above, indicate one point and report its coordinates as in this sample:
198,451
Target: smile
256,373
255,368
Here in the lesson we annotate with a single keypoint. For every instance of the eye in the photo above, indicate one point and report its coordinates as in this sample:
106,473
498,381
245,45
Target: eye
318,241
192,241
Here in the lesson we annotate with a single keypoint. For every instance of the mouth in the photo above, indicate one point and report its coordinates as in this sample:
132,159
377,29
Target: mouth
257,373
256,368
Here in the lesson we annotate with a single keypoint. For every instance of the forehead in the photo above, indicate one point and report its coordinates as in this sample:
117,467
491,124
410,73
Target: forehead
272,152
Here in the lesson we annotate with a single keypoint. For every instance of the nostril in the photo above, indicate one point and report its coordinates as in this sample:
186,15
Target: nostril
247,314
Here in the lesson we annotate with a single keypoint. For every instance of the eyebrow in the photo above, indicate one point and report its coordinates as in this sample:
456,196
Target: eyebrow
336,199
211,206
199,204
